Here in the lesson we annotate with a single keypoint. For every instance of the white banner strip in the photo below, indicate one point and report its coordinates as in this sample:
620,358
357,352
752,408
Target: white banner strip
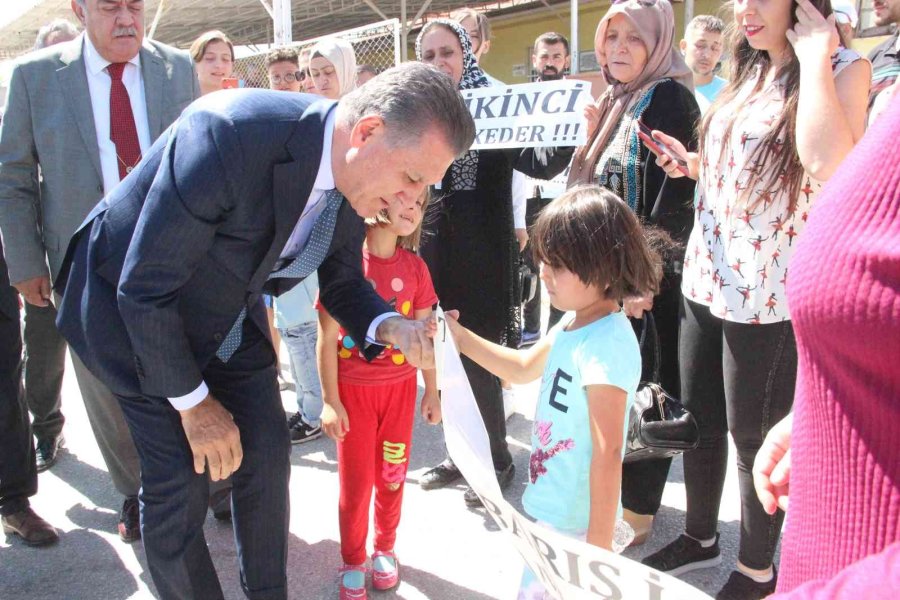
569,569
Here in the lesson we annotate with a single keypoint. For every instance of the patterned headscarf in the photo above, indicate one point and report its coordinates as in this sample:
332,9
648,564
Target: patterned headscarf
655,23
464,170
472,75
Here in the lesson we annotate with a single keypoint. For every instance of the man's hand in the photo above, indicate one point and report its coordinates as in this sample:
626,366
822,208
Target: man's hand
412,338
772,467
635,307
213,437
35,290
522,238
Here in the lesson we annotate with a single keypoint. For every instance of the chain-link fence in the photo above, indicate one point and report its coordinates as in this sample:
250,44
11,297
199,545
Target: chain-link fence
376,45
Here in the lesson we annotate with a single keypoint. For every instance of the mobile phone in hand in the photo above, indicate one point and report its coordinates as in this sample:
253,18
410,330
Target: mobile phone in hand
229,83
646,135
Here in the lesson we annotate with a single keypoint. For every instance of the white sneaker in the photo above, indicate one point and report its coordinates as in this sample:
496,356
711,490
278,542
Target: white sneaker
509,403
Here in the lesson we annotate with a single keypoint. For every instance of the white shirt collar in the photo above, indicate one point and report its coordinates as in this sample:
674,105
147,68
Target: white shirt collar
95,63
325,177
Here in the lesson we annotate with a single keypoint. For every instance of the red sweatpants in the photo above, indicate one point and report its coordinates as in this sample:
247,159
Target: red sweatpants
375,453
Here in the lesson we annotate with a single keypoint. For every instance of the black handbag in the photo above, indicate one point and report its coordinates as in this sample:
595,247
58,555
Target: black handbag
658,425
527,283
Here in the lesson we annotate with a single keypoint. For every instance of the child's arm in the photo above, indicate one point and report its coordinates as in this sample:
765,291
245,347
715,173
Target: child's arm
431,401
335,422
516,366
606,408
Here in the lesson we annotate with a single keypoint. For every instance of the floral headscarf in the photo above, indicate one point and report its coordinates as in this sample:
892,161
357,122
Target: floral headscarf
464,170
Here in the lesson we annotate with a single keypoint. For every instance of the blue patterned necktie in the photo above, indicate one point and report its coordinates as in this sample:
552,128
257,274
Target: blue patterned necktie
306,262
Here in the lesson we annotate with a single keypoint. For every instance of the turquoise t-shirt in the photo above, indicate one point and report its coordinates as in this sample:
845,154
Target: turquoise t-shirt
706,94
606,352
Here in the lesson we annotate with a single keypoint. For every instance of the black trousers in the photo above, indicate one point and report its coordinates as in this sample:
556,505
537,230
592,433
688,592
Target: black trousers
18,474
738,378
174,498
643,482
45,361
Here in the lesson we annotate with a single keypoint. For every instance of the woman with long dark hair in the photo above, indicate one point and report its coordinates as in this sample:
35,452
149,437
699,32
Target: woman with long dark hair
794,108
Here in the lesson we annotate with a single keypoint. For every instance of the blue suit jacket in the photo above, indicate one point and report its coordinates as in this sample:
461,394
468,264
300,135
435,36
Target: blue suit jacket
158,273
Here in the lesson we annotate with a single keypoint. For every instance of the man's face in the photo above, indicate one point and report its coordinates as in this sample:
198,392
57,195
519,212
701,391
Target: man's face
550,60
283,77
886,12
375,173
702,51
115,27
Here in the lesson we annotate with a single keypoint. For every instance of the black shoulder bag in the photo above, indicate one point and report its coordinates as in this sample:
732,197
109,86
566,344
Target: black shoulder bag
658,425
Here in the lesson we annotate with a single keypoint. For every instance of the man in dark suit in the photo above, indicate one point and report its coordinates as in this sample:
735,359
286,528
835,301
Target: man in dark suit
18,472
81,114
249,192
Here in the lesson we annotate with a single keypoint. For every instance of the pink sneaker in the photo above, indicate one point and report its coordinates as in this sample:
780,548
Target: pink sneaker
353,582
385,570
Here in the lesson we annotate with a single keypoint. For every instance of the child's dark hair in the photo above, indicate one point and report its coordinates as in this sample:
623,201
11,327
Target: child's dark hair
592,233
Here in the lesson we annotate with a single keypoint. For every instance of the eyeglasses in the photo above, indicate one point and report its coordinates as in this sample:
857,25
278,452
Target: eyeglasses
289,78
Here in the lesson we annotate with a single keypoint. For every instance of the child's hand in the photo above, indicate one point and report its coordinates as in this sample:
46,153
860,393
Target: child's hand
431,407
335,421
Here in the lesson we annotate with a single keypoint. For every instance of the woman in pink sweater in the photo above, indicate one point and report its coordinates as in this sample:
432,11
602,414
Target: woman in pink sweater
841,459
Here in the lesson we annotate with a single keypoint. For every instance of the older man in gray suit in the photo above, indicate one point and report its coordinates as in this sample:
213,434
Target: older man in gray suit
83,112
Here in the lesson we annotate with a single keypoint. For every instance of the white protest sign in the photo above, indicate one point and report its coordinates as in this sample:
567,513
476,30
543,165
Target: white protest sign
569,569
529,115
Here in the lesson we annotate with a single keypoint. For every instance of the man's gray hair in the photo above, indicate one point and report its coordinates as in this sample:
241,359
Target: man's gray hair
56,25
412,98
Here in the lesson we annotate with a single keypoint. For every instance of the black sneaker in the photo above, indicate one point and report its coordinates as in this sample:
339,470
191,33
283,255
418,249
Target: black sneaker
301,431
439,476
504,478
47,452
741,587
684,555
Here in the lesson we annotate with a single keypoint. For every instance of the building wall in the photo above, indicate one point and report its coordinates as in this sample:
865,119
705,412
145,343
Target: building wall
513,35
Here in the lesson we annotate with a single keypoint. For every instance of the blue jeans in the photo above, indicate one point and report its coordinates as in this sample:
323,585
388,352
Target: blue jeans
301,344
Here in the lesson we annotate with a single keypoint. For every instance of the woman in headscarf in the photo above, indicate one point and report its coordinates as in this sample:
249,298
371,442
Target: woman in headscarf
470,246
649,83
332,66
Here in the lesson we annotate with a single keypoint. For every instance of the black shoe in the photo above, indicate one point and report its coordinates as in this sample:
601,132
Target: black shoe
47,452
504,478
301,431
130,521
440,476
220,504
684,555
741,587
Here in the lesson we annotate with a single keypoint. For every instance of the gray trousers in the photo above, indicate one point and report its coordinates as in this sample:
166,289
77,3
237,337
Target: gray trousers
45,360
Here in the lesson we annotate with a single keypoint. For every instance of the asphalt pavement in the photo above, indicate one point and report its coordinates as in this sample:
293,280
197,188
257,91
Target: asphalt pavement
447,551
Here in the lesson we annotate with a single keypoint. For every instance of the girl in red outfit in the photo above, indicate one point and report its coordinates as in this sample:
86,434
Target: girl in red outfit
369,406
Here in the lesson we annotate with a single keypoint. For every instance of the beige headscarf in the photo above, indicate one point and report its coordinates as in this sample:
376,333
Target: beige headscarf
655,23
340,54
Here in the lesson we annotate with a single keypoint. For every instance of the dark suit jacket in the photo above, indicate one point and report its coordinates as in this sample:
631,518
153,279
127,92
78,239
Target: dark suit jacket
157,275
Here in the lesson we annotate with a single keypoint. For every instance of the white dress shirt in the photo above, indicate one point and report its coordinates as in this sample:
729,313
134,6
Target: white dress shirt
99,84
297,240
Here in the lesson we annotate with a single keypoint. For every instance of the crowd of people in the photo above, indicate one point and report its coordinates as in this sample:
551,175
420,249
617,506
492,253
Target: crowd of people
758,229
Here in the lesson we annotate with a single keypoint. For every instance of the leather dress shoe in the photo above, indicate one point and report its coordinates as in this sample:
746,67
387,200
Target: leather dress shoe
47,452
440,476
130,520
33,530
220,504
504,478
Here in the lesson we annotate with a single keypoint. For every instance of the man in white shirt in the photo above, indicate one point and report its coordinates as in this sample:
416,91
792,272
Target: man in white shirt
702,47
67,104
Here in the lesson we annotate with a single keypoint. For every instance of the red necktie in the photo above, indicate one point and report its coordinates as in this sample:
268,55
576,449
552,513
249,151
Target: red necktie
122,130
